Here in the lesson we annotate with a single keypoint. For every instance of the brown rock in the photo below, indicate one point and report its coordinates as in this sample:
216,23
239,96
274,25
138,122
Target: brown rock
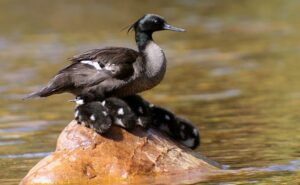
138,157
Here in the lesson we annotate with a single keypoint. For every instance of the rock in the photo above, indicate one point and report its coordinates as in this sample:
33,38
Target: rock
140,157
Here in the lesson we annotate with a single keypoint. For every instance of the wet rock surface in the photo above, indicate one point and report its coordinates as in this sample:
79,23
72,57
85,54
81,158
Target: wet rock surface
138,157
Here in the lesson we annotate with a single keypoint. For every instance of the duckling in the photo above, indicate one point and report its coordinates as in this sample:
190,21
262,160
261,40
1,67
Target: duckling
188,134
114,71
94,115
177,128
120,113
131,111
141,108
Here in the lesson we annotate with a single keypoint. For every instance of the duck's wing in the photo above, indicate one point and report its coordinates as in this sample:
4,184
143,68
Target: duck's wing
118,60
112,55
89,69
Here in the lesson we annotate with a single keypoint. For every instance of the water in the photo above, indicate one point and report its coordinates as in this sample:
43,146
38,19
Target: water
234,73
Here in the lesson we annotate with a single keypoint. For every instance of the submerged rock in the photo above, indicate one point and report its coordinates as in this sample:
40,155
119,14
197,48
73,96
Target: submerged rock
119,157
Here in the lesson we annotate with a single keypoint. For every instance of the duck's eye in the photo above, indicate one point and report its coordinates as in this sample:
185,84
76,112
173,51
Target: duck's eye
155,21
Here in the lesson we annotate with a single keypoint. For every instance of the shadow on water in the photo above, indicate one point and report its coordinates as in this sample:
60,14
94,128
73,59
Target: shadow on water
234,73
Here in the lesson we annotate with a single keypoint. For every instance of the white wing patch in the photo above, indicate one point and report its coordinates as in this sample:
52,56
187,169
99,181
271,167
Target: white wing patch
110,67
92,63
120,111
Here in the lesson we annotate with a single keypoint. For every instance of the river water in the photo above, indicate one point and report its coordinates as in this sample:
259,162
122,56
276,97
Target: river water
234,73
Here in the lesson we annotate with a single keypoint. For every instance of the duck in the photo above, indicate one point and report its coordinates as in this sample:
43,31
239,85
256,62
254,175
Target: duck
101,116
179,129
150,115
133,111
114,71
121,113
95,116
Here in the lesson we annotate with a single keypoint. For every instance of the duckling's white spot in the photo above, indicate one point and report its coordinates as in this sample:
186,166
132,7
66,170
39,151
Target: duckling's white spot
120,122
92,117
92,63
167,117
76,114
189,142
151,105
104,113
141,110
195,132
120,111
103,103
182,127
139,122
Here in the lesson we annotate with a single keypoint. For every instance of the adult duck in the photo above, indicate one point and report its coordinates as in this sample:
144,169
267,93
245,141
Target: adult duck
114,71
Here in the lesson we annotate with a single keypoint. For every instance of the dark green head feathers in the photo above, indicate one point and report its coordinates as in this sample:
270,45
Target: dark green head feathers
150,23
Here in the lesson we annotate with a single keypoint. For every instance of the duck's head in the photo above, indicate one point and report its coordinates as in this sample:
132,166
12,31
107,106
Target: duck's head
151,23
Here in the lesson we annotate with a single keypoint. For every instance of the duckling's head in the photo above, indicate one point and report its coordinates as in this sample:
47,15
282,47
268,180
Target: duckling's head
150,23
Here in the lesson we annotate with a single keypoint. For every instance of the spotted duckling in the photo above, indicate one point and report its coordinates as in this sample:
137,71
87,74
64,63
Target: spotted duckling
94,115
101,115
177,128
120,112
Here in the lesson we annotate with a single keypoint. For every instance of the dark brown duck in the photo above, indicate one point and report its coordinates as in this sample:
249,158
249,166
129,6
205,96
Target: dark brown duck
114,71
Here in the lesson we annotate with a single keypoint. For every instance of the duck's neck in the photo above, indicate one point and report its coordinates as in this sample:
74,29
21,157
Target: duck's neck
154,63
142,39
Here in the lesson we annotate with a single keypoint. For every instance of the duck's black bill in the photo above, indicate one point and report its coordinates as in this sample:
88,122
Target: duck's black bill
173,28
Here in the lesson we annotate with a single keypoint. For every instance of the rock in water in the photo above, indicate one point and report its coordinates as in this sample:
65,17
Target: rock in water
119,157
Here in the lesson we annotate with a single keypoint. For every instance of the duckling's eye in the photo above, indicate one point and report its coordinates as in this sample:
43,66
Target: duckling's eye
155,21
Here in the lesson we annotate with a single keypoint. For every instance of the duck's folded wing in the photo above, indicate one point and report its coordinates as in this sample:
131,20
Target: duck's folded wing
83,75
119,61
113,55
91,68
75,76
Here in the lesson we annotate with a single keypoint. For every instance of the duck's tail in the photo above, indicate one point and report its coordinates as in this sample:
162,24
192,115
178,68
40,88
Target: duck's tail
33,95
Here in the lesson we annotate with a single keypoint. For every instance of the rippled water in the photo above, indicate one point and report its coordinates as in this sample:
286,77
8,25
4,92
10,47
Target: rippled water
234,73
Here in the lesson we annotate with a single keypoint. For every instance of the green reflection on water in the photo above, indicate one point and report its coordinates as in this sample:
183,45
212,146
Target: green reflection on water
235,73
